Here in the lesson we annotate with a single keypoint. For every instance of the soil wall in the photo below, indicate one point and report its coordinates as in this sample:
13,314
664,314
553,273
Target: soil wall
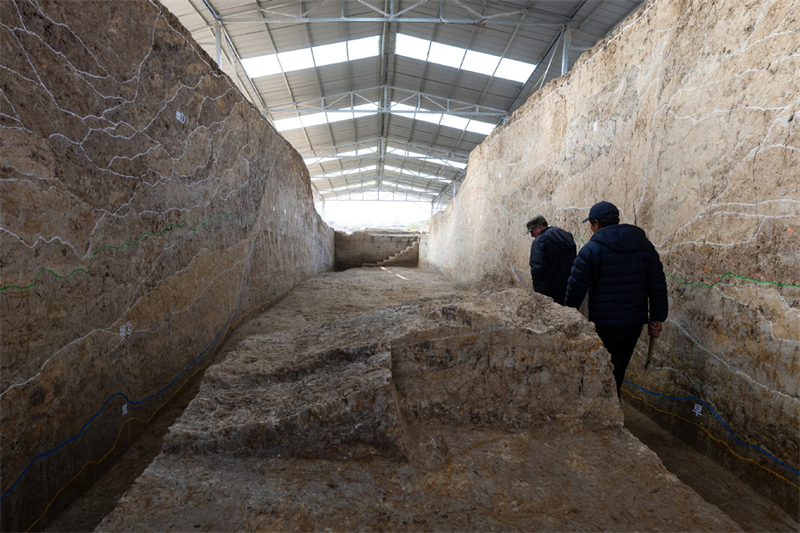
686,118
352,250
147,207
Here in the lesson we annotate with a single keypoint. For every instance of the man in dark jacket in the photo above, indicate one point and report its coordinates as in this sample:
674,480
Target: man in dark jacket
552,254
622,272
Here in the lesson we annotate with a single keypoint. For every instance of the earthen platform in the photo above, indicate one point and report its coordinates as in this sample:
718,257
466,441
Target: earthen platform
454,412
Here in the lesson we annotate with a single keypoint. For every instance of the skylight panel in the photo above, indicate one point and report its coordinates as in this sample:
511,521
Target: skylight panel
404,108
317,160
359,170
338,116
454,164
361,48
511,69
356,186
433,118
480,62
325,158
365,110
443,54
483,128
418,175
296,59
407,187
288,124
319,56
408,46
314,119
456,57
360,151
330,54
452,121
344,173
261,65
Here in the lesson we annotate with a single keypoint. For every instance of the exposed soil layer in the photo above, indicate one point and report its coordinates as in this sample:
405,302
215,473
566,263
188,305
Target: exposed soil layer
328,295
475,411
749,509
313,301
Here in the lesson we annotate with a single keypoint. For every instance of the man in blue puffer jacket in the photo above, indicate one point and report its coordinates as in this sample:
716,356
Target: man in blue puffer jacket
622,272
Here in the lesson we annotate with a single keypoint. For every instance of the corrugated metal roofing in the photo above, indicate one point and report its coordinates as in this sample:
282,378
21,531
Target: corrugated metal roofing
523,30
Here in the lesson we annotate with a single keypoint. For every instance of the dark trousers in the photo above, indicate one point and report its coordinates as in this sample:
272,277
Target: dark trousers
620,343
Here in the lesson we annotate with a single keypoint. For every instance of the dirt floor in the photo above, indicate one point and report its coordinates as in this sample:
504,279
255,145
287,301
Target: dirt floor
336,295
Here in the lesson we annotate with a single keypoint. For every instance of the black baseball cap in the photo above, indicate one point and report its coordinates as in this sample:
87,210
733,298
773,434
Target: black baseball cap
602,210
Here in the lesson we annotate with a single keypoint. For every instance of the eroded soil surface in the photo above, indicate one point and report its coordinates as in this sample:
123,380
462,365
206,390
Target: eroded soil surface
456,473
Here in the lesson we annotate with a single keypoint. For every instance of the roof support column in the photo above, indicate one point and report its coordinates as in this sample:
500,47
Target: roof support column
565,49
218,41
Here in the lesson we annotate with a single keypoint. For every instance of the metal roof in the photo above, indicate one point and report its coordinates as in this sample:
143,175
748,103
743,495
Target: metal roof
391,152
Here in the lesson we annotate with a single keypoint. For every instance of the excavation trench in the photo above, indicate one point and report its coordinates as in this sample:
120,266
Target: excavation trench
388,399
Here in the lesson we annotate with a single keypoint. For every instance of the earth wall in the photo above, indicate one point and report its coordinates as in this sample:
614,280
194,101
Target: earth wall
685,117
147,207
352,250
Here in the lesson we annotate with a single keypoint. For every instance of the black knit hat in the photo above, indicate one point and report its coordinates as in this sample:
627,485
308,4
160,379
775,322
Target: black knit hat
538,220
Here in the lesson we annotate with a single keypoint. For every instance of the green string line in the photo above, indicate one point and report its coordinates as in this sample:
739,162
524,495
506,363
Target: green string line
130,244
701,284
512,217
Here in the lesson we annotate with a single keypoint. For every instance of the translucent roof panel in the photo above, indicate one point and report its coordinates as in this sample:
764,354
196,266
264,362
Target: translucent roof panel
296,60
480,62
330,54
262,65
315,119
363,48
514,70
406,45
317,56
461,58
344,173
420,175
443,54
459,123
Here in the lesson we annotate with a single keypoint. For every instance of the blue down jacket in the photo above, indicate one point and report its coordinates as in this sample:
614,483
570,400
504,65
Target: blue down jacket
552,254
622,271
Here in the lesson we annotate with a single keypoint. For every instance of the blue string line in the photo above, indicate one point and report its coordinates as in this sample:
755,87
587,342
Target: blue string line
721,421
43,455
514,270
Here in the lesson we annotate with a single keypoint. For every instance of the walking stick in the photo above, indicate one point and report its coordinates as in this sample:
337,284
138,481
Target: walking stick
649,352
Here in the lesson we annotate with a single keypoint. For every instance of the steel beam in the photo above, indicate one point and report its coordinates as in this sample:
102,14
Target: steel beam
377,156
409,20
439,103
530,86
427,150
233,53
279,10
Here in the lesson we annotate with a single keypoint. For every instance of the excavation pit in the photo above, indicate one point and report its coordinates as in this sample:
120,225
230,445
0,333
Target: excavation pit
459,412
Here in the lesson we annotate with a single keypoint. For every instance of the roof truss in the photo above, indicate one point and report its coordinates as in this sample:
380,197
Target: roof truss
545,33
